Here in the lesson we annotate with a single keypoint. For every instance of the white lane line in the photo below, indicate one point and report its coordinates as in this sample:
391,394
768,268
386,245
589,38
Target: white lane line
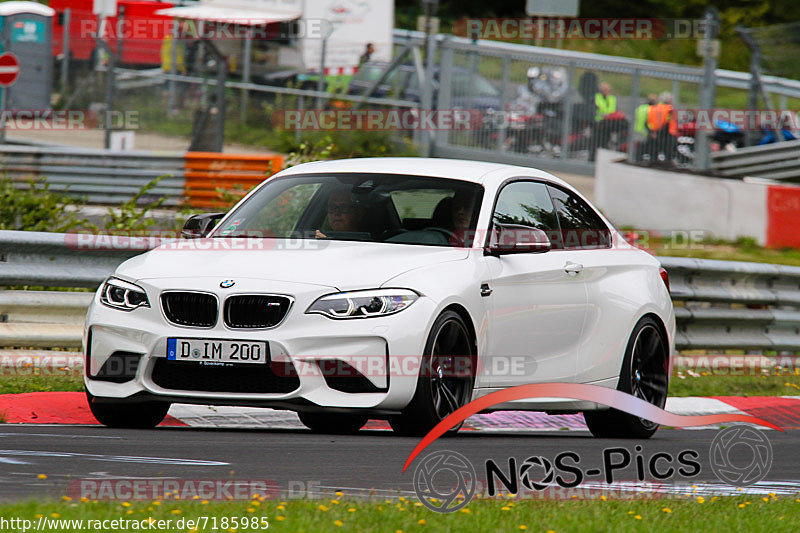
115,458
58,435
13,461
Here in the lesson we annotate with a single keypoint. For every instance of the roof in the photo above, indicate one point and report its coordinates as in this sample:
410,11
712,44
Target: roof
474,171
15,8
241,14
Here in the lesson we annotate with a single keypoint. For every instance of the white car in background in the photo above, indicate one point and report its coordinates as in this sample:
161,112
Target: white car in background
389,288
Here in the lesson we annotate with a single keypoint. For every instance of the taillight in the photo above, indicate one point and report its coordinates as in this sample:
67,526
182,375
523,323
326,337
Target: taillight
664,277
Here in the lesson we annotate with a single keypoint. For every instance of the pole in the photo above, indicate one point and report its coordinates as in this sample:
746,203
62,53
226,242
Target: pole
632,110
173,58
65,51
430,52
3,105
248,52
321,79
708,87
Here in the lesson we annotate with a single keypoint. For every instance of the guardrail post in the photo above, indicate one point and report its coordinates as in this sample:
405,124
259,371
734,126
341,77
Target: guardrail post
566,123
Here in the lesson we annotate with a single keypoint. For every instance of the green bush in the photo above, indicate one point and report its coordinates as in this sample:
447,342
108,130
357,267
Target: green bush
37,208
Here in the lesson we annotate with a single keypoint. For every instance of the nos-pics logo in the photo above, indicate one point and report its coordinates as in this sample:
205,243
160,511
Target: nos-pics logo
445,481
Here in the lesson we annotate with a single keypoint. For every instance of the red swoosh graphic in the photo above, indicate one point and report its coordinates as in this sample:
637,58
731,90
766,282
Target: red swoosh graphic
591,393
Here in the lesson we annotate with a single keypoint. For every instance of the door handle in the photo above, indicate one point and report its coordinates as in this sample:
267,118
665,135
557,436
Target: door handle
573,269
485,290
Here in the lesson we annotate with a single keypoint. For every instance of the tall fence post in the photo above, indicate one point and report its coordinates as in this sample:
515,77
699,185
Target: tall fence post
321,79
708,87
65,51
173,58
566,124
248,52
633,107
444,101
427,93
110,89
501,135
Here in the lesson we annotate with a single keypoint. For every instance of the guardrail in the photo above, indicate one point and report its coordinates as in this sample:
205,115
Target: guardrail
719,305
777,161
731,305
111,177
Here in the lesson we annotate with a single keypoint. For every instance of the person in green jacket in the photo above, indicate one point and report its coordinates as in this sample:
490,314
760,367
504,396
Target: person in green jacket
605,102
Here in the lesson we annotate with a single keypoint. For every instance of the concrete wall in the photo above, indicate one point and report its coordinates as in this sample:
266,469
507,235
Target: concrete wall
664,201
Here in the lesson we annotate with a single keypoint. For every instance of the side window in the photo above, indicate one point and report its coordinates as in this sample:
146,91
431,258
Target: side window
526,203
581,226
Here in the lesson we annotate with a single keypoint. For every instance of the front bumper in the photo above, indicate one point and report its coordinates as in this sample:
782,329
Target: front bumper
386,350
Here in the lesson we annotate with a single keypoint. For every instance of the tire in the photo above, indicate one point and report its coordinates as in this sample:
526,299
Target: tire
437,395
333,423
647,357
145,415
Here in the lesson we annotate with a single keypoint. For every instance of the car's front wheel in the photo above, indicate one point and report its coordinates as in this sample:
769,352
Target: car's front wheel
332,423
143,415
644,374
446,377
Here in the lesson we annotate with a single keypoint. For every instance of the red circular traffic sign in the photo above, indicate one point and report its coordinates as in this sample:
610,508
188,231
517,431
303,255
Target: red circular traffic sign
9,69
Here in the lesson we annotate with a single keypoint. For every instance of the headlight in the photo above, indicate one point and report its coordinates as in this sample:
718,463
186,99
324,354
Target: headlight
123,295
364,304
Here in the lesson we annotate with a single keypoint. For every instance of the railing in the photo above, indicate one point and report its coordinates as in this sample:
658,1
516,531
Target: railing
100,176
720,305
111,177
731,305
778,161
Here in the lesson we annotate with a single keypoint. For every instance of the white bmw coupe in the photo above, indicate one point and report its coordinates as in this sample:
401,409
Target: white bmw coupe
389,288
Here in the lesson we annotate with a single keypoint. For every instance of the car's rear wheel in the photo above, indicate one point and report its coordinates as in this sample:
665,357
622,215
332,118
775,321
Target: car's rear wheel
113,414
644,374
332,423
446,377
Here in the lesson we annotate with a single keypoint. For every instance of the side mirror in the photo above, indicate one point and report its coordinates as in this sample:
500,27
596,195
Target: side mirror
516,239
198,226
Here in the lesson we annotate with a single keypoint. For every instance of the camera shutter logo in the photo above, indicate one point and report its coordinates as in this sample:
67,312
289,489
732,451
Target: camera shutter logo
442,478
544,464
740,455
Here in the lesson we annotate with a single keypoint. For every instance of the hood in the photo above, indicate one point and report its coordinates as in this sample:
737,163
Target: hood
338,264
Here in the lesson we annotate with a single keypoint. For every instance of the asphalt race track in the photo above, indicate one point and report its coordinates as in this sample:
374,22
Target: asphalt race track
373,459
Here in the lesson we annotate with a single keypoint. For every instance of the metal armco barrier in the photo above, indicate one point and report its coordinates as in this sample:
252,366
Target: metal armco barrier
777,161
720,305
730,305
100,176
112,177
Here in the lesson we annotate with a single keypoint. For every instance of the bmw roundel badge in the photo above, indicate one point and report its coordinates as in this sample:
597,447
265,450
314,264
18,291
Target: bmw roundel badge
227,284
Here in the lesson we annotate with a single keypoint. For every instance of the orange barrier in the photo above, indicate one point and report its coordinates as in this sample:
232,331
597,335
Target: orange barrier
205,172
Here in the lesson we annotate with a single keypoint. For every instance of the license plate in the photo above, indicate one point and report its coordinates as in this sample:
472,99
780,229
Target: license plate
212,351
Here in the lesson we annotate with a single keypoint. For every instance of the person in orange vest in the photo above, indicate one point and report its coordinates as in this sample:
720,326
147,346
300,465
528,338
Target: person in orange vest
662,130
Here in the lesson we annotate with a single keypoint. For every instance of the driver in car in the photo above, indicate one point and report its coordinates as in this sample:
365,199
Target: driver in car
463,207
343,213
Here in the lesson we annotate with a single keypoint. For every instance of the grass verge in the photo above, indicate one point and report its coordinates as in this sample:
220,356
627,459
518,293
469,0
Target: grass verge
667,515
72,381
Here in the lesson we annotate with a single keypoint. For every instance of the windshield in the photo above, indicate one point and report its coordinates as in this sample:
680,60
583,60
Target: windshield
360,207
